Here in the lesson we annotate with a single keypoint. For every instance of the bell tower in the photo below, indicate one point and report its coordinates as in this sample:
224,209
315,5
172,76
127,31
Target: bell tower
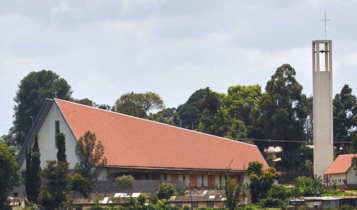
322,105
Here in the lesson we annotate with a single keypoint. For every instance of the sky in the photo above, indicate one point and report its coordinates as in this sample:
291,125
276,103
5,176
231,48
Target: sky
173,48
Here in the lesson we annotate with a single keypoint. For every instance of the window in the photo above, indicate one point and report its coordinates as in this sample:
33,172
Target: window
179,204
202,180
210,204
165,176
339,180
57,131
16,194
195,205
220,179
57,127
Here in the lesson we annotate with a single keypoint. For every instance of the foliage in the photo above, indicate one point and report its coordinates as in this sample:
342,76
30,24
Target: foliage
334,185
142,198
211,115
153,198
125,181
277,195
232,192
33,90
80,185
56,182
61,146
188,112
91,159
345,181
346,207
308,186
353,145
138,104
240,100
166,190
84,101
260,180
217,187
33,169
281,111
8,175
167,116
344,112
180,192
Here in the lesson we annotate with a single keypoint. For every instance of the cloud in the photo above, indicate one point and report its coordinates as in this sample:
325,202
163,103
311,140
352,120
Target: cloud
60,9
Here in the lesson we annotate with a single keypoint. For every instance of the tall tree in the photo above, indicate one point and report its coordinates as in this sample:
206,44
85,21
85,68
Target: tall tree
281,112
33,170
260,180
212,116
344,112
61,146
56,184
9,167
188,112
240,100
138,104
91,159
232,191
33,90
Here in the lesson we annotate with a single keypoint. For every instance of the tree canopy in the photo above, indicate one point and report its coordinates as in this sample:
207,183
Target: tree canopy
8,176
138,104
33,172
91,159
33,90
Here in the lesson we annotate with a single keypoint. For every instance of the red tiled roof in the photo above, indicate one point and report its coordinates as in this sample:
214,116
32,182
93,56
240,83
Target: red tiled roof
340,165
135,142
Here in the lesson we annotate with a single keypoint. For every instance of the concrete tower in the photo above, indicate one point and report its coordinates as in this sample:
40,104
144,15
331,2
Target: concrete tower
322,105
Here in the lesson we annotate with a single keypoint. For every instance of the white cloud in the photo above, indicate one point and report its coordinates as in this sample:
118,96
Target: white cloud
61,8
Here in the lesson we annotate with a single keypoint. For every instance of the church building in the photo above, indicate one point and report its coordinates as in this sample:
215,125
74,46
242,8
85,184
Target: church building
142,148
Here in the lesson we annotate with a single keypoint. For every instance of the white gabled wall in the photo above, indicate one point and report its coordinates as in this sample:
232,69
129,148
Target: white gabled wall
46,140
351,176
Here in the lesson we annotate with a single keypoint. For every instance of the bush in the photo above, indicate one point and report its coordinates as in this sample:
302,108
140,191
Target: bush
142,199
271,202
346,207
187,208
166,191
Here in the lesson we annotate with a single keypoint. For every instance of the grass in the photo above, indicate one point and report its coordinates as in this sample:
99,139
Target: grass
338,194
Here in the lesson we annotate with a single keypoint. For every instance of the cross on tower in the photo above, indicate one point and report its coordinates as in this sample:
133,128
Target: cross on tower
325,24
55,93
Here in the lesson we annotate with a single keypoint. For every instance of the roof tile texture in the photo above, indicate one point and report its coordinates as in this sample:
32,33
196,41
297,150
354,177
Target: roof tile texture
134,142
340,165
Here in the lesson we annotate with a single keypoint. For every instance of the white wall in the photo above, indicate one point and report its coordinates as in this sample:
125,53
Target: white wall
351,176
46,140
338,179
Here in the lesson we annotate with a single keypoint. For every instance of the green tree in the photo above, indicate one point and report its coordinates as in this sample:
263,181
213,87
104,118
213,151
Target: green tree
61,146
277,196
84,101
167,116
33,170
232,191
91,159
240,100
166,190
212,116
344,112
353,145
237,130
138,104
33,90
142,199
126,182
188,112
56,184
79,186
308,186
8,176
260,180
281,112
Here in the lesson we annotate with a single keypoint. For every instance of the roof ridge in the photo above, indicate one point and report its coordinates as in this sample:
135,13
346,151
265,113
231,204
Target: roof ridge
125,115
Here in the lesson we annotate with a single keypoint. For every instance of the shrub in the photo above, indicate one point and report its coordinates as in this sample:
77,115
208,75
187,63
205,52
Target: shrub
187,208
166,191
344,181
142,198
346,207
